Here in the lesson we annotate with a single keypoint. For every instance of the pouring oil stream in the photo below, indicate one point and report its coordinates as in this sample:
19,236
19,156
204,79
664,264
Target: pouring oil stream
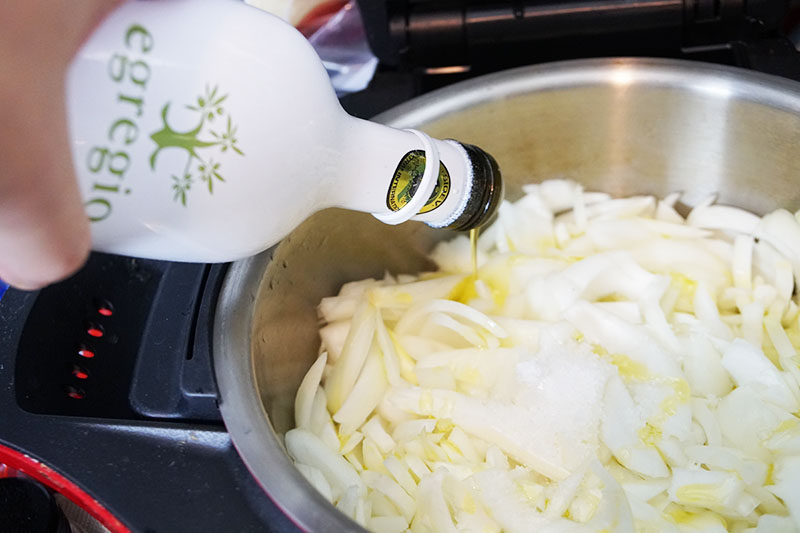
473,247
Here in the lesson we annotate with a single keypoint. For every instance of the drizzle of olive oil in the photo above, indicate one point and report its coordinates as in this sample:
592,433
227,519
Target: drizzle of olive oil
465,291
473,248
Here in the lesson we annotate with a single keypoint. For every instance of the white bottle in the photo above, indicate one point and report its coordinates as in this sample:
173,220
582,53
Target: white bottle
206,130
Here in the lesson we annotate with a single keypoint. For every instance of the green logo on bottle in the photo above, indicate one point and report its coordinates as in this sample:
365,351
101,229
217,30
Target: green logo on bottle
199,143
109,161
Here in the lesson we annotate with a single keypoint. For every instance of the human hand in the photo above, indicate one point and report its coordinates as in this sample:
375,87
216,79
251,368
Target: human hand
44,232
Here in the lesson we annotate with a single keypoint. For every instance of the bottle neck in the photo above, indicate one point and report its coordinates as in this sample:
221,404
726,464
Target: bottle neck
383,167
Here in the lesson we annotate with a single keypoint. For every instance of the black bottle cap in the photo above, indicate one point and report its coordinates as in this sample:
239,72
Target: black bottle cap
487,190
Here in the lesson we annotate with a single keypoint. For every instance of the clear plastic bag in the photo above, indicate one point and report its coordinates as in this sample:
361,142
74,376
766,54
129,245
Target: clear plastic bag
342,44
336,31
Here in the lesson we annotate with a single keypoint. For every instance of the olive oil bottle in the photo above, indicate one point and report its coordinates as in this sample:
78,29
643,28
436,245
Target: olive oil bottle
206,130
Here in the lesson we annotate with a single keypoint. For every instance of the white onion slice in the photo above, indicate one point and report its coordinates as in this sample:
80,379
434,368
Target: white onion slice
613,368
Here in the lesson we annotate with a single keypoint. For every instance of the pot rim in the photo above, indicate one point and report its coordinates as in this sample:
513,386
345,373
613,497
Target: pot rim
709,78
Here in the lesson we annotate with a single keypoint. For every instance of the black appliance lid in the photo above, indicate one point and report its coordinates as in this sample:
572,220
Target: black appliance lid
433,34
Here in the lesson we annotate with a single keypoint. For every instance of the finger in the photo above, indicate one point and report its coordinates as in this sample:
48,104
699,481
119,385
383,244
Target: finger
44,233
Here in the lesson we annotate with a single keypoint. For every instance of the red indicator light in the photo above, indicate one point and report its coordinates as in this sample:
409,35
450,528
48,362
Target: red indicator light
86,352
103,307
75,393
95,331
79,373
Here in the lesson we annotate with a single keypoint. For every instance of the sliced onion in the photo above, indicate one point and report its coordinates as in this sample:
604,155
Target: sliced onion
365,396
614,367
307,390
306,448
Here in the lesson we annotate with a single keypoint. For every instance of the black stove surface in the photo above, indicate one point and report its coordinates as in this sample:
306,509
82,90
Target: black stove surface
107,376
134,424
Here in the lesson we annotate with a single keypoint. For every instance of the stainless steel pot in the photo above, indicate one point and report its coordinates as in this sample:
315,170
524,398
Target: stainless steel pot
623,126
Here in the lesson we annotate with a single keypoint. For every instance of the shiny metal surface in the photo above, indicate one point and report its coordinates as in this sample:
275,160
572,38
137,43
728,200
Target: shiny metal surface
623,126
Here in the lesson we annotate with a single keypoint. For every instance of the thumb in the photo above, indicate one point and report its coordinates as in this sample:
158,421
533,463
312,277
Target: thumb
44,233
